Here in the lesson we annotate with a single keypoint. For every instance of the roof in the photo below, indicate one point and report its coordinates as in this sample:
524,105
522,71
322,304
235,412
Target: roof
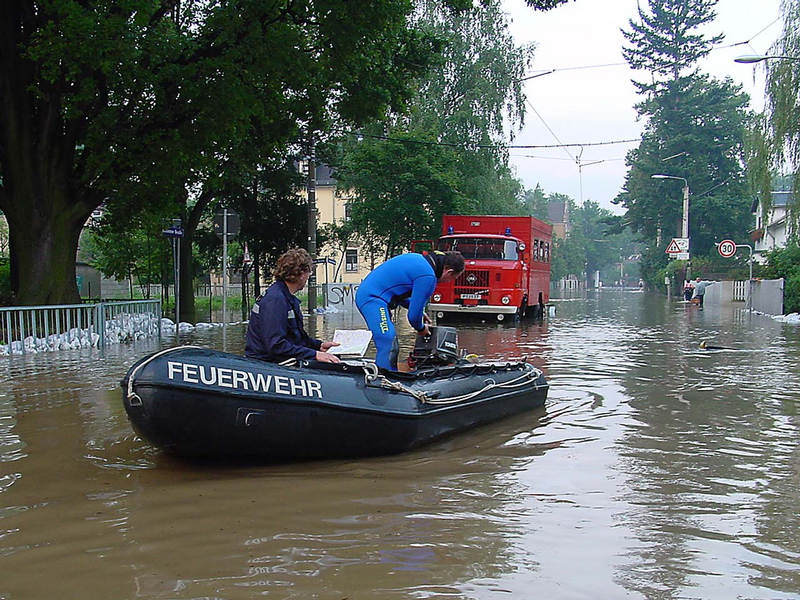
325,175
781,198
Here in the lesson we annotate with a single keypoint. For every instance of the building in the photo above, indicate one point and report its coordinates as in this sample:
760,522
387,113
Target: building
335,265
558,215
772,228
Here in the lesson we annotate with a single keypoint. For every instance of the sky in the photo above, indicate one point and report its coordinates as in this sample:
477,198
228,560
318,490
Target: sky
583,103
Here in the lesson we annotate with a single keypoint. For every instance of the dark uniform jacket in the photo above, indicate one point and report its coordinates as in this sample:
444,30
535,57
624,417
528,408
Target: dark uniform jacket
275,331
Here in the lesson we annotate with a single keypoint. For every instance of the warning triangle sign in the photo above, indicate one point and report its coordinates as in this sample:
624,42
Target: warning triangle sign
673,247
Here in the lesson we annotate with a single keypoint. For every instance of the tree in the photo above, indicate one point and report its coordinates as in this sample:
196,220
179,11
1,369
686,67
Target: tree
536,203
402,190
665,44
137,101
446,154
591,244
774,147
695,128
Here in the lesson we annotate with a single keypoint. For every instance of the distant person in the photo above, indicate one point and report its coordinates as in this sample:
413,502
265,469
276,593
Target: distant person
407,280
275,331
688,290
700,290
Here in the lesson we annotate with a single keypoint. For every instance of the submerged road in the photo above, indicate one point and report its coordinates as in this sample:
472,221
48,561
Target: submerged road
657,470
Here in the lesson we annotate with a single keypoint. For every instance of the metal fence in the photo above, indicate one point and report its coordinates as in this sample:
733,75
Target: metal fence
26,329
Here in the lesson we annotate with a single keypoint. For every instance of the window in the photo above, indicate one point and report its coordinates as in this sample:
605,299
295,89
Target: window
351,260
489,248
536,250
348,207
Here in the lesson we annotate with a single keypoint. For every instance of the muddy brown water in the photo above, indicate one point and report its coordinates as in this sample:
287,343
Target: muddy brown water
656,470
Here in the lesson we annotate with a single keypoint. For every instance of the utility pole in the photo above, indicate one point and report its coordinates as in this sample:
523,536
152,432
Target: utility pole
224,266
311,188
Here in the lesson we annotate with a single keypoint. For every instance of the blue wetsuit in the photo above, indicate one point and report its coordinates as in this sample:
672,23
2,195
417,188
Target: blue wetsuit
407,280
275,331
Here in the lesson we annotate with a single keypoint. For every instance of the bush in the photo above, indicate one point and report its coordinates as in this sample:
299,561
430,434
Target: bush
785,262
791,293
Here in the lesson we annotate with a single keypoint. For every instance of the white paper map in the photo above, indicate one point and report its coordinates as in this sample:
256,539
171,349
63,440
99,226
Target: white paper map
353,342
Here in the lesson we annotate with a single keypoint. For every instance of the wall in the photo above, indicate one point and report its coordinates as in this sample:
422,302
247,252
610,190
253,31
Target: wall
768,296
341,296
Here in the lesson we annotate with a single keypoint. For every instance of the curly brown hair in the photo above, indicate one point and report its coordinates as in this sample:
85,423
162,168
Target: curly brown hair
292,264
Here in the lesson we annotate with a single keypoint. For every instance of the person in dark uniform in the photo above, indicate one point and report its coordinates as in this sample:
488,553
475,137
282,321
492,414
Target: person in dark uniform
275,331
407,280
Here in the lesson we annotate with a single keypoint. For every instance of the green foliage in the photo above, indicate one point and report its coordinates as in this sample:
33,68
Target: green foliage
664,44
774,136
142,102
402,190
444,156
785,262
695,130
5,283
591,244
536,203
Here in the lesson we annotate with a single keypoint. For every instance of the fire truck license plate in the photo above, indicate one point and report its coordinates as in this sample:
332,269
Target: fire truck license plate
471,296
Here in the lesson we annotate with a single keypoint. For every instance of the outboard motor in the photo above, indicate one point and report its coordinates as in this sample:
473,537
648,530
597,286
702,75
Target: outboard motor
437,349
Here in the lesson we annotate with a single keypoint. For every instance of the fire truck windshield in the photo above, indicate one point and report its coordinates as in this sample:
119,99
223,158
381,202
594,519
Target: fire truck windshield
481,248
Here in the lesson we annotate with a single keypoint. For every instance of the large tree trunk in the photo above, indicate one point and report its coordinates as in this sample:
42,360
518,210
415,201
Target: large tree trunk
42,253
45,220
188,310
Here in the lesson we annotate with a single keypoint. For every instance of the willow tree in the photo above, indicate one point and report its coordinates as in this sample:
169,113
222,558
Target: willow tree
446,152
774,146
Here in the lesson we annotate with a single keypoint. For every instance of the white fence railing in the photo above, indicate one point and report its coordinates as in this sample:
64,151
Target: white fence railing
35,329
740,290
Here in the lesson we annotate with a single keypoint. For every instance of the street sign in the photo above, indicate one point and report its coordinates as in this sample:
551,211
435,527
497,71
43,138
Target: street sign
681,256
233,224
678,245
726,248
176,231
322,261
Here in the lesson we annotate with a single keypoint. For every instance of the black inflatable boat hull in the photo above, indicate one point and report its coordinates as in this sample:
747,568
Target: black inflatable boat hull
198,402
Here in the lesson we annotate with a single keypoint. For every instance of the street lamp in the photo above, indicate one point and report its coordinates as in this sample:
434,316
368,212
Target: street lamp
685,220
754,58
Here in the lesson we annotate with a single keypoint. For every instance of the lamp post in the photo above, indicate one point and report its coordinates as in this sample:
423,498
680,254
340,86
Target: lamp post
685,218
754,58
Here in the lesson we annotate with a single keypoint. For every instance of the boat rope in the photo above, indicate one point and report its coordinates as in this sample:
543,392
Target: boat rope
526,378
133,397
372,377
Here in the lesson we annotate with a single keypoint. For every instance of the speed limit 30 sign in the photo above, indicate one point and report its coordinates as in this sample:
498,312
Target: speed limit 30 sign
727,248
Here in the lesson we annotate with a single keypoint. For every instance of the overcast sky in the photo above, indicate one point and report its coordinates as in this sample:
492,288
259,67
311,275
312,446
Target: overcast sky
577,105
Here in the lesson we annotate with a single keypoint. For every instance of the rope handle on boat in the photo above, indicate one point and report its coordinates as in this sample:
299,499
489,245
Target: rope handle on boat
371,377
133,398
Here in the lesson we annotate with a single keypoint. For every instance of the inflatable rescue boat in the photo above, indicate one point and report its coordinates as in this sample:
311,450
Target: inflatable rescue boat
198,402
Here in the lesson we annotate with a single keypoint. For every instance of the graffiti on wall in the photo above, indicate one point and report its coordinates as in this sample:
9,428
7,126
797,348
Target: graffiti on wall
341,295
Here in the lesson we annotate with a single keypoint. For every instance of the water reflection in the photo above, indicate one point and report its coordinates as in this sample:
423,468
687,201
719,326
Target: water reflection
660,469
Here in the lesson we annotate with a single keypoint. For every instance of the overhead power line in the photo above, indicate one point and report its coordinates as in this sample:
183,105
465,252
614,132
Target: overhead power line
482,146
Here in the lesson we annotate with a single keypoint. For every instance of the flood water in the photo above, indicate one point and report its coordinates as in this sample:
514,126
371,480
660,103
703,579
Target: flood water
656,470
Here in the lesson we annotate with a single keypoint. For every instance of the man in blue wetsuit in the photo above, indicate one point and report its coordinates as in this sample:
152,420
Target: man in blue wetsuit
275,331
407,280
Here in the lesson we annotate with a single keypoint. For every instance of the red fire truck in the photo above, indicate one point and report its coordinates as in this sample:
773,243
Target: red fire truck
507,266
